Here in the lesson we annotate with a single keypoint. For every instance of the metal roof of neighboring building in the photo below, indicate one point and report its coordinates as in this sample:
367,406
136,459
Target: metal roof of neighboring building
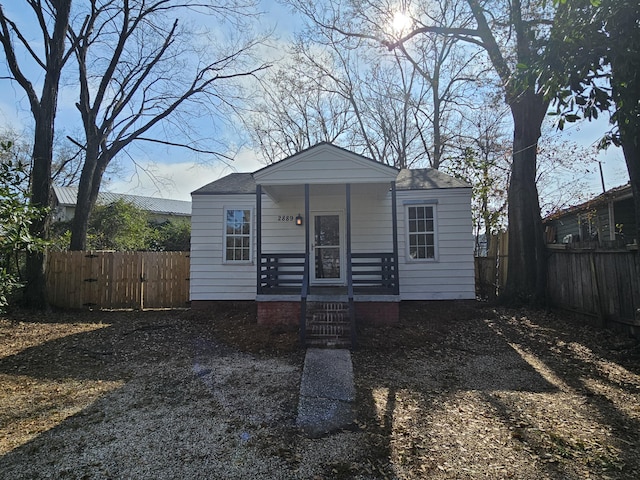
67,196
408,179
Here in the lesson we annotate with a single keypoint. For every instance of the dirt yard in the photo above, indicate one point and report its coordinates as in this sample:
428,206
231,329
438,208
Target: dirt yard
453,391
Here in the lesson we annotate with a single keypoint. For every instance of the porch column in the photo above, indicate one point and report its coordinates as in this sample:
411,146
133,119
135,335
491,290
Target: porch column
305,274
307,243
349,266
259,238
394,222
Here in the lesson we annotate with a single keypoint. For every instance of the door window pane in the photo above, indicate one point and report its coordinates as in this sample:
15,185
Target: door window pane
328,262
326,229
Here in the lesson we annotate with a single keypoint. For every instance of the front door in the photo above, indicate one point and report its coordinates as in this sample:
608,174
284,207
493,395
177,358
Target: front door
326,250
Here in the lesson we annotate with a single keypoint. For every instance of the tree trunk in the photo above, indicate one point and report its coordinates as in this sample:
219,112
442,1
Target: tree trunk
88,189
84,201
35,290
44,114
526,272
631,151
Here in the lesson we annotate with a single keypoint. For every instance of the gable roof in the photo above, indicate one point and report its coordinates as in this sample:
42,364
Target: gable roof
67,196
326,146
408,179
325,163
232,184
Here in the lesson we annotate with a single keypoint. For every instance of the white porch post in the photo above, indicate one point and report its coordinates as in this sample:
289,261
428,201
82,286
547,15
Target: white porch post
349,266
394,221
259,238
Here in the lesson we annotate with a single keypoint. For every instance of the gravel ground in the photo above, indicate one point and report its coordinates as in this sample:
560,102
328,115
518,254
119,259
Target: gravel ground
453,391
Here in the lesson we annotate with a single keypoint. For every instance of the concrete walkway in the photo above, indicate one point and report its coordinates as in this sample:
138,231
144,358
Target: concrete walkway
327,392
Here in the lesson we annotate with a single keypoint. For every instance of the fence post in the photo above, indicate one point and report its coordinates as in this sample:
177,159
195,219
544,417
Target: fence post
597,292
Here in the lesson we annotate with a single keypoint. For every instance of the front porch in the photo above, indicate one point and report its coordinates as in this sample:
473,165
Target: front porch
330,296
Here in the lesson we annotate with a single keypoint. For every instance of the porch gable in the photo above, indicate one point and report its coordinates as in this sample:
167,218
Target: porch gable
325,164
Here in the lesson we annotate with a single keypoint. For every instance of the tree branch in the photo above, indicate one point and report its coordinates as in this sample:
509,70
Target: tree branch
188,147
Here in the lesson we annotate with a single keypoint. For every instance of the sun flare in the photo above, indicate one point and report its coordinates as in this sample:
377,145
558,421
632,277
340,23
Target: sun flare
401,22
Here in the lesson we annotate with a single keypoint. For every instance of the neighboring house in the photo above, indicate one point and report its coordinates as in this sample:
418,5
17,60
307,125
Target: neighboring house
607,220
328,225
160,209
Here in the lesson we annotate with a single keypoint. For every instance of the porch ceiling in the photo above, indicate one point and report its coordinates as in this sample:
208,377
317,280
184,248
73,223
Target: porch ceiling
280,192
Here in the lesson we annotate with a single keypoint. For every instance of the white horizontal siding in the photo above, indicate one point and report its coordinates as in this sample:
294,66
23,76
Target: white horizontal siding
279,236
210,277
371,225
451,275
325,165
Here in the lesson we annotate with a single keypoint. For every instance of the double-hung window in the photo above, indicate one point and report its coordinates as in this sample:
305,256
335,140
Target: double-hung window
237,236
421,232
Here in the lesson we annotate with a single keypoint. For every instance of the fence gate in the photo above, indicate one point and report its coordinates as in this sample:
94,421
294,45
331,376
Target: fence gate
118,279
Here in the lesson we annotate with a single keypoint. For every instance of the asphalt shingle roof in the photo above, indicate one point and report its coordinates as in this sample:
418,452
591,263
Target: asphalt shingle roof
408,179
426,178
234,183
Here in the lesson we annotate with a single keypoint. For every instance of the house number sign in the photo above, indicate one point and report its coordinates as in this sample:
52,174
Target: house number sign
286,218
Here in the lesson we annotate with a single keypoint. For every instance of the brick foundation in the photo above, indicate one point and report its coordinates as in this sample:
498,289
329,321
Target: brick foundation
278,313
288,313
377,313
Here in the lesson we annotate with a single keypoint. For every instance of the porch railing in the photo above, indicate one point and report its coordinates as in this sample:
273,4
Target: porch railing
374,273
281,272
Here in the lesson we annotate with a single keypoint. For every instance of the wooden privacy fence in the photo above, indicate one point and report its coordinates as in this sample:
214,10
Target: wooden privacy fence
491,271
118,279
603,284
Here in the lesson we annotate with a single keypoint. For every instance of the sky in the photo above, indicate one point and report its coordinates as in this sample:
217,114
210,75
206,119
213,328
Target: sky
175,173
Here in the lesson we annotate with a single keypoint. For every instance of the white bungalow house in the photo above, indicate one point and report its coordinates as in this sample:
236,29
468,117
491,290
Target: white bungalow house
329,238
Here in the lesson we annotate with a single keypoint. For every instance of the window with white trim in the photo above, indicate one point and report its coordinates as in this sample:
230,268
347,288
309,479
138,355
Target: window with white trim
421,232
237,236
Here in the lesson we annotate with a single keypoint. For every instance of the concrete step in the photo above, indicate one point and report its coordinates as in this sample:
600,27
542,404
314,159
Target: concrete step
328,325
328,343
328,328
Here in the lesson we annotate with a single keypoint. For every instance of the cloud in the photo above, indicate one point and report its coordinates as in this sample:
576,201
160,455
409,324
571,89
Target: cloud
176,180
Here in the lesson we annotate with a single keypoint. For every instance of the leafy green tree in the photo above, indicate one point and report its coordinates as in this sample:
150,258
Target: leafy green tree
173,236
16,218
598,70
119,226
122,226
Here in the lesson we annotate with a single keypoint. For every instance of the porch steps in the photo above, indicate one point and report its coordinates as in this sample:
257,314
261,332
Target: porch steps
328,325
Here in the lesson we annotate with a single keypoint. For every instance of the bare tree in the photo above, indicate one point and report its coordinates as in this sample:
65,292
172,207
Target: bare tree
53,19
562,165
66,163
484,162
294,110
139,69
381,102
514,34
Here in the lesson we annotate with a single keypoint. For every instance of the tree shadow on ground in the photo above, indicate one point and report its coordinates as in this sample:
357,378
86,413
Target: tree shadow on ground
446,366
